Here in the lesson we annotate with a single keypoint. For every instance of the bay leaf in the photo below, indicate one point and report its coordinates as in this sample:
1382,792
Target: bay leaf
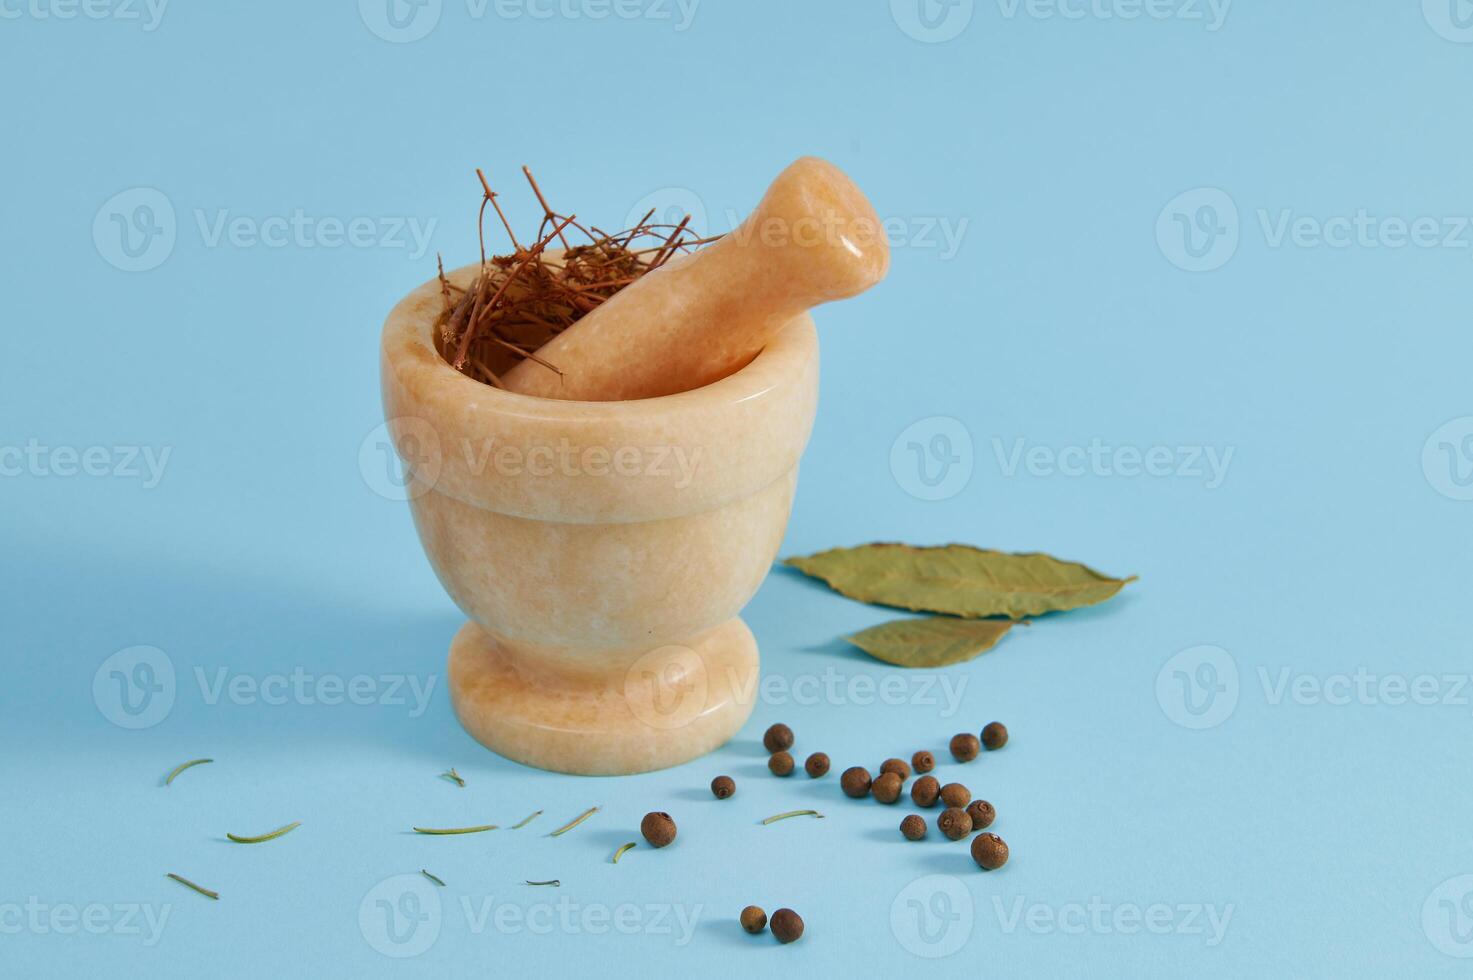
934,642
959,580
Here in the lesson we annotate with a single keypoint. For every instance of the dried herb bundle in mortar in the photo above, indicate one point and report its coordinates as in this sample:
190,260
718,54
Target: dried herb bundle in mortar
520,301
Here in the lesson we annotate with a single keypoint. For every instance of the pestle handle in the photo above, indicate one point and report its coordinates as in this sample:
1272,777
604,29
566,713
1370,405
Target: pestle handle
814,238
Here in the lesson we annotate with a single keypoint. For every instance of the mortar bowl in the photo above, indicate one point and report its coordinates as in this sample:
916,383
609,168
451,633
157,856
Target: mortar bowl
601,550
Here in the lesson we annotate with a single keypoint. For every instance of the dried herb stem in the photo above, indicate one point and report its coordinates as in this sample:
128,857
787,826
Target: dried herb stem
183,766
526,820
622,848
199,888
433,878
553,882
576,821
454,777
279,831
439,832
792,813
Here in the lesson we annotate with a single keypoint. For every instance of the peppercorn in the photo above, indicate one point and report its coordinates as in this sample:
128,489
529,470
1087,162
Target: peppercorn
989,851
964,747
816,765
787,926
926,791
954,823
754,920
657,828
897,766
855,782
955,794
995,735
778,738
886,787
722,787
982,814
781,763
913,827
923,761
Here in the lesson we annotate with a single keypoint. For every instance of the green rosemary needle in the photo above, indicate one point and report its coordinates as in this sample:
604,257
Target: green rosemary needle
433,878
576,821
199,888
554,883
455,830
622,848
792,813
528,820
183,766
265,837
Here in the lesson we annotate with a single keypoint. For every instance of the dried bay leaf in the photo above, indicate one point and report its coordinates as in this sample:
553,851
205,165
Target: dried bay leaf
959,580
935,642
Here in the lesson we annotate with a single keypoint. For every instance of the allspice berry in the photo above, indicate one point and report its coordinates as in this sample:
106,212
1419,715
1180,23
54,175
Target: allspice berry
926,791
855,782
982,814
778,738
781,763
989,851
897,766
923,761
913,827
787,926
965,746
886,787
754,920
816,765
955,794
657,828
954,823
722,787
995,735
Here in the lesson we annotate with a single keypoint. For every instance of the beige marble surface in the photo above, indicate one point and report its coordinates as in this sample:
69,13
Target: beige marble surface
602,550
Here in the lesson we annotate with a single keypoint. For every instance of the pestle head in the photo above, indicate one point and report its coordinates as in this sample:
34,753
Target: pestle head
812,239
825,239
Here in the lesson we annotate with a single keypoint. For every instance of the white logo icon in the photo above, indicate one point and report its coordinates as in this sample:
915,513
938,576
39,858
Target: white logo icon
1198,230
135,229
1198,688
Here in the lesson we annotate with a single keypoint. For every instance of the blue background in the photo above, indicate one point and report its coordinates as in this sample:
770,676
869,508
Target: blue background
1063,318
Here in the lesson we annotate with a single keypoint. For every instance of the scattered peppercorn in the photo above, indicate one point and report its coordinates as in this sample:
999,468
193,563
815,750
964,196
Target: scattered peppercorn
964,747
722,787
816,765
855,782
954,823
926,791
657,828
955,794
787,926
989,851
913,827
897,766
781,763
982,814
923,761
754,920
886,787
995,735
778,738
